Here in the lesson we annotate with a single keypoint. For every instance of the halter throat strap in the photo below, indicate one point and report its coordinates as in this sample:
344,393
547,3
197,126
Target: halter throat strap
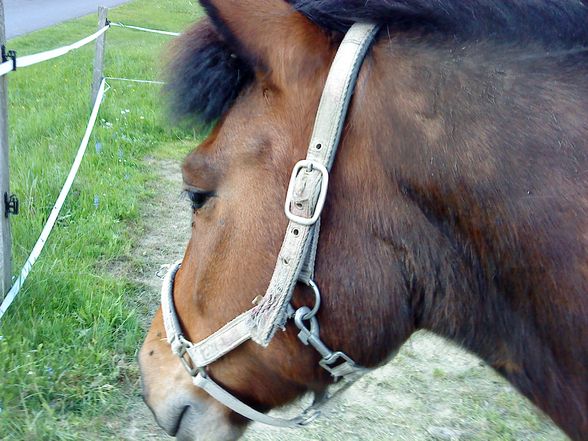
304,203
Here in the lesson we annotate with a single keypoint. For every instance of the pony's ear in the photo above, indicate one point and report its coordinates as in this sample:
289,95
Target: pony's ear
204,75
280,43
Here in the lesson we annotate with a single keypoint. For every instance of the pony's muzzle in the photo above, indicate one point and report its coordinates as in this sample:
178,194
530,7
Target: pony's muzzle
179,408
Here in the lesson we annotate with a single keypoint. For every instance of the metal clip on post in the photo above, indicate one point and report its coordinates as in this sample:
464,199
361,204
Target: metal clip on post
11,204
9,55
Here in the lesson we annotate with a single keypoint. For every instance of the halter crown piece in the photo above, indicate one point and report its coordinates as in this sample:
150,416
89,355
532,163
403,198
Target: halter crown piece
304,203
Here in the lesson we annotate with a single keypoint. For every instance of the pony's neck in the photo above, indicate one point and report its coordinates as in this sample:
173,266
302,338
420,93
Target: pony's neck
485,269
464,306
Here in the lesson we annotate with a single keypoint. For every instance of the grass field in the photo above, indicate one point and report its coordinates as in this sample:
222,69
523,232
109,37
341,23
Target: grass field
68,342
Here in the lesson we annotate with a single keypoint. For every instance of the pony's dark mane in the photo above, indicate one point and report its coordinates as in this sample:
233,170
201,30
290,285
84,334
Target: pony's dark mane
553,23
210,70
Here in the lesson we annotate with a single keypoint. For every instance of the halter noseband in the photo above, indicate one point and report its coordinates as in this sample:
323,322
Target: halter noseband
304,203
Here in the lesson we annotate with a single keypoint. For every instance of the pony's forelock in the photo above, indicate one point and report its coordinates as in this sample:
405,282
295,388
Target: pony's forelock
205,75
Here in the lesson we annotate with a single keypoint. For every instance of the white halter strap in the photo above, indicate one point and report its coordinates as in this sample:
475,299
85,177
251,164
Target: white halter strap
304,203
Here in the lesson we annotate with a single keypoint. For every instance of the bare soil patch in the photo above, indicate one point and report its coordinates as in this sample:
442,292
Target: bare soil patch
163,240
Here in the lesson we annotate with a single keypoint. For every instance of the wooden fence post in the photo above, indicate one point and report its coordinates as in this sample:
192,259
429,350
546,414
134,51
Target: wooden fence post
5,239
99,57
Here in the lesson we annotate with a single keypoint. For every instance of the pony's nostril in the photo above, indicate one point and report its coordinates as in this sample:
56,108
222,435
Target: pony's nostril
174,431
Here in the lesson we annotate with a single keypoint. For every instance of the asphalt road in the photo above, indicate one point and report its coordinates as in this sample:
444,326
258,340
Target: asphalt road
23,16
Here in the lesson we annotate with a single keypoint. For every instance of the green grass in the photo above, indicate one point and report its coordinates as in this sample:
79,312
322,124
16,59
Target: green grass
69,340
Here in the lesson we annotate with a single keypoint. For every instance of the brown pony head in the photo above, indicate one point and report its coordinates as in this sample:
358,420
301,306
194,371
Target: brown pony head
278,60
428,223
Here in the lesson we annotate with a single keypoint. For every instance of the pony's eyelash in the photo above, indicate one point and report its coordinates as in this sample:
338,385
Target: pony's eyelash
197,198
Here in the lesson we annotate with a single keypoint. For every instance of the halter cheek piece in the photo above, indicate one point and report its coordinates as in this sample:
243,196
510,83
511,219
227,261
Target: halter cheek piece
304,203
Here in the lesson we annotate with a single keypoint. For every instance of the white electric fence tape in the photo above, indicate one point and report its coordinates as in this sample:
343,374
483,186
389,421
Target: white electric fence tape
29,60
132,80
153,31
57,207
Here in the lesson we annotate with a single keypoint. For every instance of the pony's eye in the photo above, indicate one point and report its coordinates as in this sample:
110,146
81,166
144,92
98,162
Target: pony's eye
198,198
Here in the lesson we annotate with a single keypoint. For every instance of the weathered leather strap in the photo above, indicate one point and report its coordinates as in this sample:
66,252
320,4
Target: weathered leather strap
233,403
300,240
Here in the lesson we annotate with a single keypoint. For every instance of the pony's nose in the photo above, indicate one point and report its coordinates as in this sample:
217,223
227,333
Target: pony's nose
195,420
180,410
169,411
171,423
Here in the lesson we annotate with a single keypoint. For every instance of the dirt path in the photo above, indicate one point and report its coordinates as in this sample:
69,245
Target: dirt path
432,390
163,242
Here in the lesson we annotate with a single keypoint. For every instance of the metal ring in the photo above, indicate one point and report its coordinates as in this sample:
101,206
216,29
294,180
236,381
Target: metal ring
188,363
317,300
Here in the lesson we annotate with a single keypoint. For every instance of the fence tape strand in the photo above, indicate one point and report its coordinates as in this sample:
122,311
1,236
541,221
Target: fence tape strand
57,207
29,60
153,31
133,80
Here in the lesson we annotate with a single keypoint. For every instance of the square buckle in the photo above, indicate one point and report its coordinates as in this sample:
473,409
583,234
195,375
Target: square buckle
320,203
338,364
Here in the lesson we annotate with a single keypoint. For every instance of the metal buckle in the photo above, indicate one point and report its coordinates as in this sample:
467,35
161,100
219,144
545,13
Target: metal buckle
347,366
320,203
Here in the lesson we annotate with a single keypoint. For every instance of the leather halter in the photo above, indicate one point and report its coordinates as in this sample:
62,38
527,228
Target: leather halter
304,203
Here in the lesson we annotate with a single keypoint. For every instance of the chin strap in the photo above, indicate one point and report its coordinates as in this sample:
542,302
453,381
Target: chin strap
306,417
304,203
233,403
